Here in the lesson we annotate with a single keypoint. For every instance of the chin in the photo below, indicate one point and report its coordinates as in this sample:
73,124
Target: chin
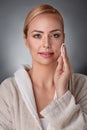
47,62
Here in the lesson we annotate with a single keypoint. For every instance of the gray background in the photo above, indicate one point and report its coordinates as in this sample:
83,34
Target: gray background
13,52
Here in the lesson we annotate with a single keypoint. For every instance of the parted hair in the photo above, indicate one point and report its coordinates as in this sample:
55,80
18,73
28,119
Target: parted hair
44,8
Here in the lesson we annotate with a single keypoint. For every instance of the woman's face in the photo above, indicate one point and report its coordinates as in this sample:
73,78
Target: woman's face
44,38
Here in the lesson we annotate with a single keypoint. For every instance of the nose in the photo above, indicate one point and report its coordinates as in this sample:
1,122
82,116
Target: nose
46,42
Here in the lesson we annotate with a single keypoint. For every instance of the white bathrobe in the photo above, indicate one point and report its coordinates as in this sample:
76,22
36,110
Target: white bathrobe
18,108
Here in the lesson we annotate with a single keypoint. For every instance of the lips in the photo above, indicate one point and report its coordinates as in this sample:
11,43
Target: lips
46,54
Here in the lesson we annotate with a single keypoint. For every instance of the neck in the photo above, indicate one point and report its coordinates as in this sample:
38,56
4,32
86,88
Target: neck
43,75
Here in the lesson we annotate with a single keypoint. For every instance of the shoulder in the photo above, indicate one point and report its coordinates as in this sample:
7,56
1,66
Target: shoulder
78,88
79,81
8,83
79,77
8,88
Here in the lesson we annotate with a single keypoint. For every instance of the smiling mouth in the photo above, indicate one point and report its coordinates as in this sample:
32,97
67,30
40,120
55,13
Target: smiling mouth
46,54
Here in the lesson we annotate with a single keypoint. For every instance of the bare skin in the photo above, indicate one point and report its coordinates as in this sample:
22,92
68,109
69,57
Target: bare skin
44,39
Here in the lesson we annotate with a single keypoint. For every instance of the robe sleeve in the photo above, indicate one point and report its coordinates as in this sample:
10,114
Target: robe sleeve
70,111
5,115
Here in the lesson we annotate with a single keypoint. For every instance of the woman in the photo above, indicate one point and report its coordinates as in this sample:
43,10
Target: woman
46,96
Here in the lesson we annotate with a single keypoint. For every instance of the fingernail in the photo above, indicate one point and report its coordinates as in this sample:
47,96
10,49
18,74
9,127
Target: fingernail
62,46
62,49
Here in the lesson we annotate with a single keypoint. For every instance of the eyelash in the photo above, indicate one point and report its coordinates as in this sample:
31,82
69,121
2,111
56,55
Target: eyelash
55,35
39,36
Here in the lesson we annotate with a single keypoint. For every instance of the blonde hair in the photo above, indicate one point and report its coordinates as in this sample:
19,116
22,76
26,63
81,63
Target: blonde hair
45,8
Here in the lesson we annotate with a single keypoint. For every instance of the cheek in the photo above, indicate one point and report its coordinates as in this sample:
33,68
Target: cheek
33,46
57,50
57,47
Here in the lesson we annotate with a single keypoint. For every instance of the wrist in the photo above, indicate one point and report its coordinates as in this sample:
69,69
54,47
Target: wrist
61,92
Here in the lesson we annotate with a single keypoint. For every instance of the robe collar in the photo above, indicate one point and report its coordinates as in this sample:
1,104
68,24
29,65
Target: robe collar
24,85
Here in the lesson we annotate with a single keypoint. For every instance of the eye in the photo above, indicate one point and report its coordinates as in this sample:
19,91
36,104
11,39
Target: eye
38,36
55,35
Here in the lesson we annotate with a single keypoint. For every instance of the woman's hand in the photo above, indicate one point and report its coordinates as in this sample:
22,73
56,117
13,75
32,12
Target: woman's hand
63,73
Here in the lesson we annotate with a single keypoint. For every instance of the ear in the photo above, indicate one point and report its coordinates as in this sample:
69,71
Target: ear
25,40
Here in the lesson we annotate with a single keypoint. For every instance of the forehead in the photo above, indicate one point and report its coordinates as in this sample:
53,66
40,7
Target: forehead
46,21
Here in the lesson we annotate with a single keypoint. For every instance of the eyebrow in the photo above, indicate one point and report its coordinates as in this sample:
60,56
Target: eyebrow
37,31
59,30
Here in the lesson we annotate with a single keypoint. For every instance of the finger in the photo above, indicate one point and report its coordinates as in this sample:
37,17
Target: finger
60,64
67,65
